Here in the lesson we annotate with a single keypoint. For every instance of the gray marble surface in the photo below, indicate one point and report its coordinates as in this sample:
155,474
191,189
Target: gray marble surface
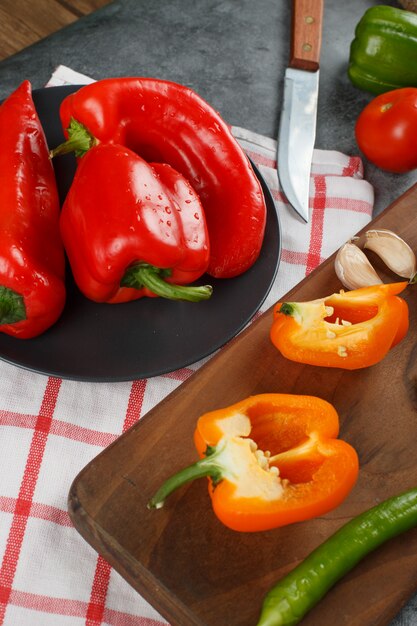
233,53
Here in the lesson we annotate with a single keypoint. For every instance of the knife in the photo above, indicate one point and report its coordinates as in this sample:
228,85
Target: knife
297,130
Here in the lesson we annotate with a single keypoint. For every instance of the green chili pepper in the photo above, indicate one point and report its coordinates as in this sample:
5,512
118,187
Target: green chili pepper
298,592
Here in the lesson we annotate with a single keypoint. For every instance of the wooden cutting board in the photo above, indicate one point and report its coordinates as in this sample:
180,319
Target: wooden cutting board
181,558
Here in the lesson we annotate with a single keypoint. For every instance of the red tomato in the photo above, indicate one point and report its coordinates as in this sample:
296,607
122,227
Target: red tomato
386,130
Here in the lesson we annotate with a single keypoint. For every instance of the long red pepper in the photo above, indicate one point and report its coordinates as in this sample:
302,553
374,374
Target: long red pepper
169,123
32,265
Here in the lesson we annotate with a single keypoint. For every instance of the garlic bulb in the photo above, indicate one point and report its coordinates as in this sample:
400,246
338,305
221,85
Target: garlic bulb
394,252
353,268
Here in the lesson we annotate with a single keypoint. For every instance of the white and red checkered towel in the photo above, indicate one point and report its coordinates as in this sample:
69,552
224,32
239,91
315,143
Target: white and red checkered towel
51,428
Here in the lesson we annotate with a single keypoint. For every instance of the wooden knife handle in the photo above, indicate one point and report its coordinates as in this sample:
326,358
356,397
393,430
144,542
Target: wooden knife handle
307,22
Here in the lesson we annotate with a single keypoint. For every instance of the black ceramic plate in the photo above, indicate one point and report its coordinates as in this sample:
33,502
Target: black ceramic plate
148,337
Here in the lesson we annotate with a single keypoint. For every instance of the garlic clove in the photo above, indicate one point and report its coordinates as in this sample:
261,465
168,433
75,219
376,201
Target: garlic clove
394,252
353,268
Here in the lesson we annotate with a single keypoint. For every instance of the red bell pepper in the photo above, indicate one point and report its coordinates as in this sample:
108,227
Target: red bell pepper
132,229
272,459
32,263
169,123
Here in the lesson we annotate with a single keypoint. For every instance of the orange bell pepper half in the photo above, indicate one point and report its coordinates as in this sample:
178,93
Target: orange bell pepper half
350,330
272,460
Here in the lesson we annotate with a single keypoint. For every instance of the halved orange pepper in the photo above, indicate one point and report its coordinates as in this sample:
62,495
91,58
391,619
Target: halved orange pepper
350,330
271,459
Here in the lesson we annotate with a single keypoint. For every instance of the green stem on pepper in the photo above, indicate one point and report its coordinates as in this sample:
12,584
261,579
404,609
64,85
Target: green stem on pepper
298,592
79,141
209,465
287,308
145,275
12,306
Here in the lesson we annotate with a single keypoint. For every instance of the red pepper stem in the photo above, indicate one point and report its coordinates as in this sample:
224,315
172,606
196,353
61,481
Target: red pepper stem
207,466
145,275
79,141
12,306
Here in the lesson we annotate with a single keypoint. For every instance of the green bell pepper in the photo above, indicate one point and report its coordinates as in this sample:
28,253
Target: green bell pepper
383,55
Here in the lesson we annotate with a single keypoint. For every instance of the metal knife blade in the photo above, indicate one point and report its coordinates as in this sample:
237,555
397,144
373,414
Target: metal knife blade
297,131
